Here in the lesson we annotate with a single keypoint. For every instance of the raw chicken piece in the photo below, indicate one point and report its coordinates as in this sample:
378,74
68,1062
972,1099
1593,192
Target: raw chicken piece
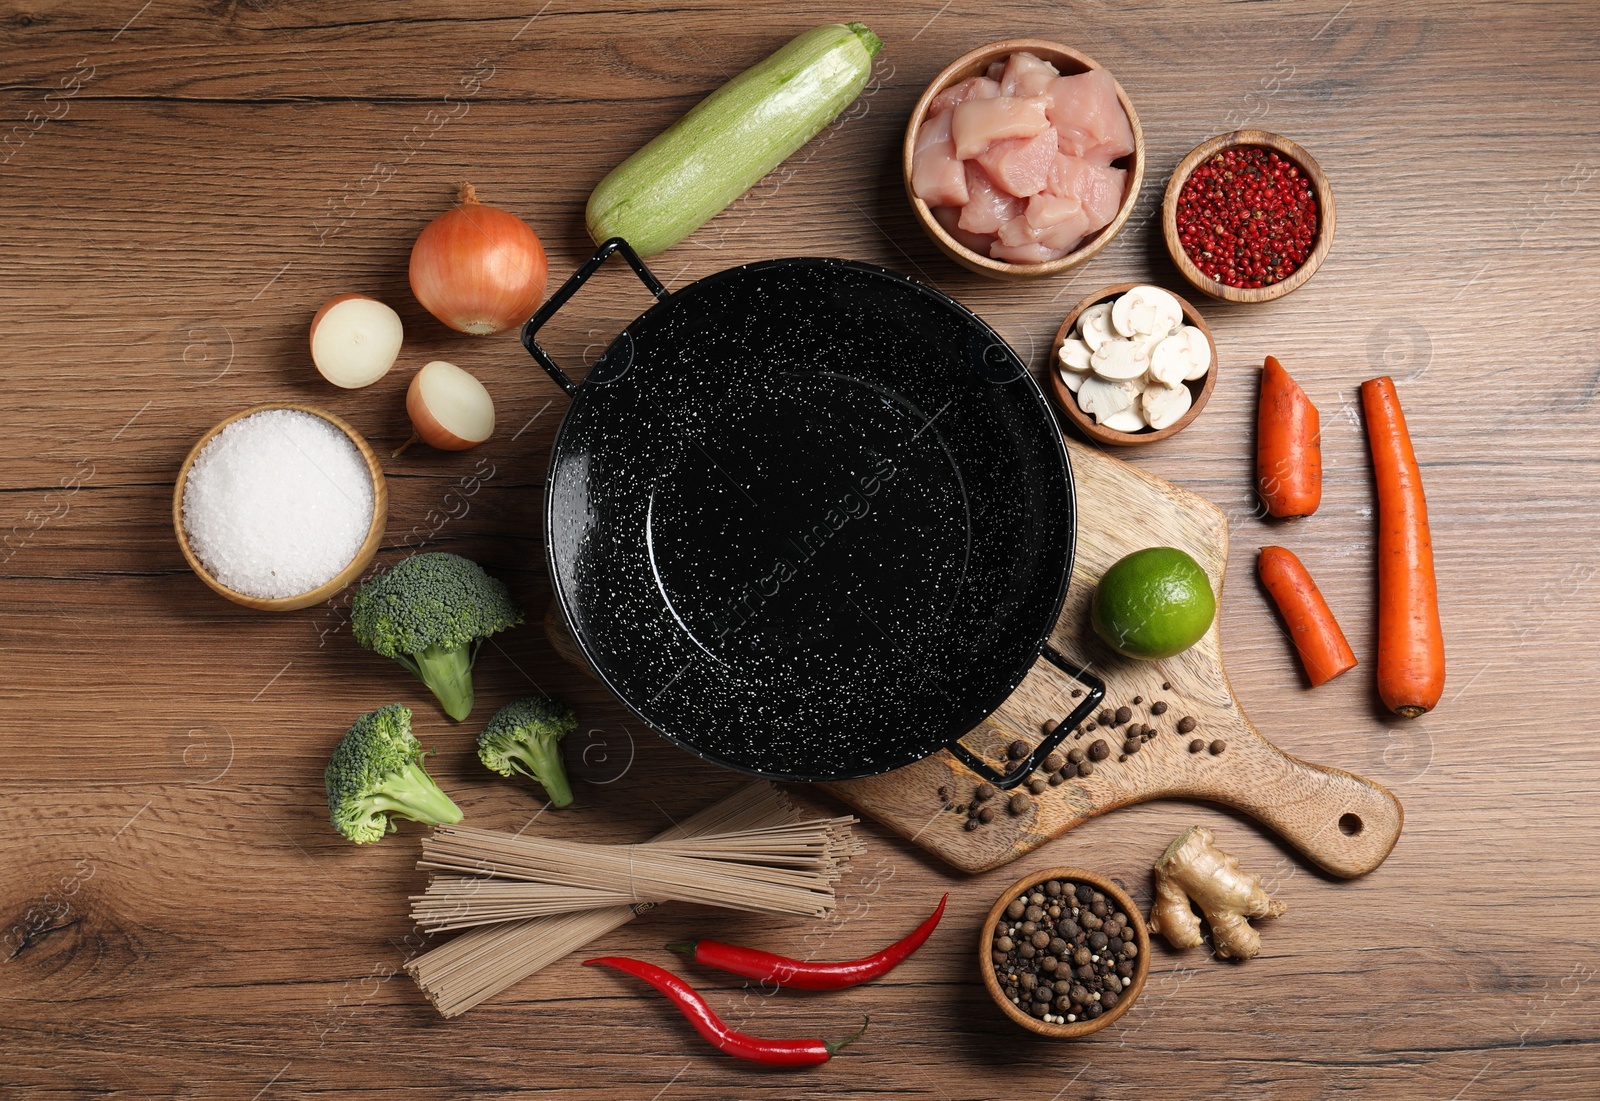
1021,166
937,177
949,218
1089,118
979,87
1026,75
978,122
989,208
1098,188
1030,253
996,69
1059,221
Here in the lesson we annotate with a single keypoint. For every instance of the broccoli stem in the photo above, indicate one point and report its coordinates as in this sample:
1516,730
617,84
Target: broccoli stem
411,793
448,673
541,758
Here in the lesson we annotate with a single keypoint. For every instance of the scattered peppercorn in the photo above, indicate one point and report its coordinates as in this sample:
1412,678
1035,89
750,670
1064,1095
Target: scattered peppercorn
1131,745
1054,761
1020,803
1017,750
1086,769
1124,713
1105,717
1037,785
986,815
1186,724
1166,686
1075,755
983,791
1076,692
944,794
1159,707
1197,745
1247,217
1217,747
1137,700
970,824
1099,751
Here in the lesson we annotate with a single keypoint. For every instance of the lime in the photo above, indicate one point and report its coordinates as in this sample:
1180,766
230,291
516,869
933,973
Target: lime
1152,604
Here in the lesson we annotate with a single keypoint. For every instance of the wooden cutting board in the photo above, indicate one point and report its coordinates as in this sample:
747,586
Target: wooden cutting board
1342,822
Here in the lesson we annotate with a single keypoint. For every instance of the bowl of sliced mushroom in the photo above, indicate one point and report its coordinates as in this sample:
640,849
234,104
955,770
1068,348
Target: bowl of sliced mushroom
1133,364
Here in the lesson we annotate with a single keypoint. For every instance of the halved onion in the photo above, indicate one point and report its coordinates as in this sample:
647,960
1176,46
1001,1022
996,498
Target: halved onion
355,340
449,409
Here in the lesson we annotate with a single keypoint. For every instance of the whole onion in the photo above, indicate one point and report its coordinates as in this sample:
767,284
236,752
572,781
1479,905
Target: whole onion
477,268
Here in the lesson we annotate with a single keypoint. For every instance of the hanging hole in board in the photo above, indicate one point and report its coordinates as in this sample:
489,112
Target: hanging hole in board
1350,824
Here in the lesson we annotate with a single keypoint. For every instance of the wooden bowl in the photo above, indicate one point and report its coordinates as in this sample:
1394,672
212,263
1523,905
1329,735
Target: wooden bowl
331,587
1263,140
1199,389
1073,1029
973,63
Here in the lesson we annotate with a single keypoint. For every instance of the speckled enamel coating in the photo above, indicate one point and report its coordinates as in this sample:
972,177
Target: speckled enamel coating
810,519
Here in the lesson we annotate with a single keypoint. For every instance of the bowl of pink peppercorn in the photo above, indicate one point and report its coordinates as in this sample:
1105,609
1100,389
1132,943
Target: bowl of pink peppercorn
1248,216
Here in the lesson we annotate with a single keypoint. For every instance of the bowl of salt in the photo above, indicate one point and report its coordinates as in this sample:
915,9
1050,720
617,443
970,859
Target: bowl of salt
280,507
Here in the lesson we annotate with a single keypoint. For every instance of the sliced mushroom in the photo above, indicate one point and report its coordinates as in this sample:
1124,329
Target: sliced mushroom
1199,353
1119,359
1102,399
1146,311
1130,419
1183,356
1075,354
1094,325
1073,379
1162,406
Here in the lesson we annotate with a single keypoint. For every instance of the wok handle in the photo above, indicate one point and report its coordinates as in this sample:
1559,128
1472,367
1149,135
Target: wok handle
1095,692
567,290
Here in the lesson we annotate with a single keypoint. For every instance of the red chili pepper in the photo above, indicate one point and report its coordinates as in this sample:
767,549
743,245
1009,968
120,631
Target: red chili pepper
753,963
776,1053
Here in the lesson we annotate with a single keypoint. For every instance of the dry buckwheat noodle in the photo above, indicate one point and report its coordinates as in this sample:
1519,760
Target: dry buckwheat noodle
526,902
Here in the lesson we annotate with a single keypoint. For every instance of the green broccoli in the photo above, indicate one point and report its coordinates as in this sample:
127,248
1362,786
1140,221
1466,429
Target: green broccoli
431,613
525,736
376,769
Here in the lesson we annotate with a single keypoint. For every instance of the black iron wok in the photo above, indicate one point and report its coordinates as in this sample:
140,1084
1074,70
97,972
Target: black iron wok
808,518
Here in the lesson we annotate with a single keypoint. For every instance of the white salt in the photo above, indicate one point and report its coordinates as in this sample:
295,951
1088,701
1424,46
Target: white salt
277,503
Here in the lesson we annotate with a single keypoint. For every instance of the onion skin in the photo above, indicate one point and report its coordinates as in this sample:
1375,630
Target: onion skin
478,269
428,427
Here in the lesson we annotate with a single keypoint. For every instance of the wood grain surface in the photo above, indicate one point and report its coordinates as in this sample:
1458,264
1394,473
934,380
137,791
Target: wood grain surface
183,184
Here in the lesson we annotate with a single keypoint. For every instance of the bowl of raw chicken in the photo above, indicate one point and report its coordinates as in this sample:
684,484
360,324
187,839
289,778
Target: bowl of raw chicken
1133,364
1023,158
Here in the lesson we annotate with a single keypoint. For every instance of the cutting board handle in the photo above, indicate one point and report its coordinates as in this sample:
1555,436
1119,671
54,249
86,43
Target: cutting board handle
1346,824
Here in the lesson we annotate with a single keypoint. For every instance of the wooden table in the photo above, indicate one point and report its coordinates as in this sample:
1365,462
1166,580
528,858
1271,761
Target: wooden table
182,185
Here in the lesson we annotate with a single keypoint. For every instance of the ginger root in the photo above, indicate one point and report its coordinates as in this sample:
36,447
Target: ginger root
1194,870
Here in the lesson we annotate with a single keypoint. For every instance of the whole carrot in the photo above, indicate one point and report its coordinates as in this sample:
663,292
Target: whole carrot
1410,638
1288,445
1323,649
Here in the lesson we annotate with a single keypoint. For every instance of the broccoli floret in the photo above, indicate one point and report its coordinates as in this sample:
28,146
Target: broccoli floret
431,613
376,769
525,736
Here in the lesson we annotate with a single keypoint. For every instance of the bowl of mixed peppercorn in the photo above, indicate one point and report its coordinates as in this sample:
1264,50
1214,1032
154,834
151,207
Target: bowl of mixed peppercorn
1248,216
1064,952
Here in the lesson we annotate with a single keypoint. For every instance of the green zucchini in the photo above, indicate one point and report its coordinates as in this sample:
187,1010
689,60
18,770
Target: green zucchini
732,138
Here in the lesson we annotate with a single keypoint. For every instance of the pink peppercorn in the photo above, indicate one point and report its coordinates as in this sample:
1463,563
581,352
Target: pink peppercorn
1247,217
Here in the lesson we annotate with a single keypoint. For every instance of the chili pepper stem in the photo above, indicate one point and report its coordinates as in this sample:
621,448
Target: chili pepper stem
682,947
835,1046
